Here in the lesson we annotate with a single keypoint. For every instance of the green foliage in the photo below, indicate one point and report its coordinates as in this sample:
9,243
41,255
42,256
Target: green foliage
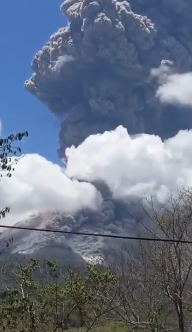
41,296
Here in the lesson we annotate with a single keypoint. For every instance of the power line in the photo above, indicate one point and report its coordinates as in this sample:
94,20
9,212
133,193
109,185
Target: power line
121,237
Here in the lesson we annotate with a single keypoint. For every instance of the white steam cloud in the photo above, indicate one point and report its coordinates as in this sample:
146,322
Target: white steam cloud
174,88
38,185
131,166
134,166
61,61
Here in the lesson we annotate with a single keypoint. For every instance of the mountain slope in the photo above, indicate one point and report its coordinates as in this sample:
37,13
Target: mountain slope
112,218
47,244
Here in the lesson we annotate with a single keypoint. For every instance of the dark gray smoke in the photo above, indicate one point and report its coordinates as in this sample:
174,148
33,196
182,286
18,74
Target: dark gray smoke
95,72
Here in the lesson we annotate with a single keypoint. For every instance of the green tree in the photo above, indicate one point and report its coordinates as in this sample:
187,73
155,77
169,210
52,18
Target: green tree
42,297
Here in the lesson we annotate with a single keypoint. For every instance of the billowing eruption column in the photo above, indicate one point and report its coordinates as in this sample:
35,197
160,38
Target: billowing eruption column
94,74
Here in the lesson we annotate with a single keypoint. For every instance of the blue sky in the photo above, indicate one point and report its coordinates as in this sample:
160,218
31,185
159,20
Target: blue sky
25,26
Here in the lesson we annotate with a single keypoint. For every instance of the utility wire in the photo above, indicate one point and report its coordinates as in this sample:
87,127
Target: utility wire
97,234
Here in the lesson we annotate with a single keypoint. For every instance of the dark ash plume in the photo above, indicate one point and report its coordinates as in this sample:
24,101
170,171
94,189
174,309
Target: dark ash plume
96,70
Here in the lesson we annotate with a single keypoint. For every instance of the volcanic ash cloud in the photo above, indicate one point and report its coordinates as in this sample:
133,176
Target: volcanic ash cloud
95,73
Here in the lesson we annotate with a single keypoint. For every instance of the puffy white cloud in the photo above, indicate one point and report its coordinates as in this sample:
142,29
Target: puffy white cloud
174,88
38,185
131,166
134,166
